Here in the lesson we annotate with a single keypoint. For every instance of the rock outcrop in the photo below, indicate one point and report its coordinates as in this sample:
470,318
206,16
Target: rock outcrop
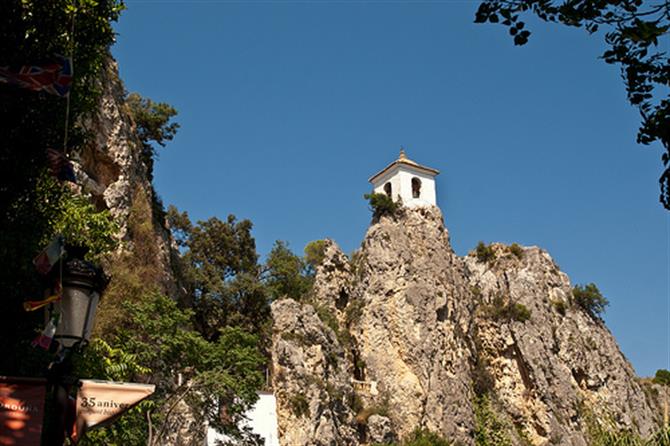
408,335
110,169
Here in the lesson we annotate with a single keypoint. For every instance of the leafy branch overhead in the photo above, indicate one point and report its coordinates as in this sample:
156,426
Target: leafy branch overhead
632,32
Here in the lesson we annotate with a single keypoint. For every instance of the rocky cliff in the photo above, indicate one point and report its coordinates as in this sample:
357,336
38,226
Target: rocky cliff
110,169
409,335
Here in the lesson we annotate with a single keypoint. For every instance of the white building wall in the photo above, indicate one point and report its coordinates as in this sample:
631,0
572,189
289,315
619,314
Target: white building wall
401,182
391,177
262,420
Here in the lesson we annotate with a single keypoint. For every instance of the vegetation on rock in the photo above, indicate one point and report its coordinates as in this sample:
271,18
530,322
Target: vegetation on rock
288,275
315,253
516,250
382,204
423,437
153,125
662,376
589,298
485,253
501,310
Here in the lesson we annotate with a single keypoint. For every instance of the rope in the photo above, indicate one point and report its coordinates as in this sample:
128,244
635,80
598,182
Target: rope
67,99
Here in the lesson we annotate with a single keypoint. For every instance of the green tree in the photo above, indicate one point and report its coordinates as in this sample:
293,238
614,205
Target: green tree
632,32
159,345
315,252
662,377
31,33
382,204
589,298
286,273
153,120
219,266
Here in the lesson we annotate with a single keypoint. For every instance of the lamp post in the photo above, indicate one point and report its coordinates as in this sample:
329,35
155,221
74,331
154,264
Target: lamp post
83,284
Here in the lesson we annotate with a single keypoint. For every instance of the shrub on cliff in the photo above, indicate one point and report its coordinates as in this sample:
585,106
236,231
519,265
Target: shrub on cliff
381,204
662,377
516,250
500,310
589,298
485,253
315,253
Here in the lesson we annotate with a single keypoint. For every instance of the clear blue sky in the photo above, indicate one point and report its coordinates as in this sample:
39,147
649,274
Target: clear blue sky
287,107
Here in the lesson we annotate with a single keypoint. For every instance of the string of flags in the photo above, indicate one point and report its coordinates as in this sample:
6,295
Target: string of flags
54,77
44,263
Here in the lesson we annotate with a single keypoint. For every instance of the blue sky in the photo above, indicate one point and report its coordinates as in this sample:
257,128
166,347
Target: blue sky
287,107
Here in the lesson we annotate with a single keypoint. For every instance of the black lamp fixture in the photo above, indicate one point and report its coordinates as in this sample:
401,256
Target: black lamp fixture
82,287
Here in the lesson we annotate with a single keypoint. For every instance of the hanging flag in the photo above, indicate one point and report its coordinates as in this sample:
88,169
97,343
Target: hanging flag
60,166
54,77
101,402
33,305
21,411
46,337
46,259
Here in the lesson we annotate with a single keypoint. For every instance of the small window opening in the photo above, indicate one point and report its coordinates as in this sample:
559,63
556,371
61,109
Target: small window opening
416,187
388,190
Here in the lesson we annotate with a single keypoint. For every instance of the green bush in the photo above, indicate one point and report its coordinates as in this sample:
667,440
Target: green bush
519,312
490,430
559,306
485,253
422,437
381,204
299,405
662,377
589,298
499,310
77,219
516,250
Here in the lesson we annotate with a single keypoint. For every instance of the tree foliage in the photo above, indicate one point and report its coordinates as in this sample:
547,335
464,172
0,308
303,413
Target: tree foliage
153,120
382,204
32,33
589,298
662,377
315,252
159,345
287,275
221,272
632,32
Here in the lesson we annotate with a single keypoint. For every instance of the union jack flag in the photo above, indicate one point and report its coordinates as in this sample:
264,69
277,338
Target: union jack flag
53,77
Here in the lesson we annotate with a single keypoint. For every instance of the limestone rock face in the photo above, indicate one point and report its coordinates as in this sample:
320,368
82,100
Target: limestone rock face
310,378
553,368
110,169
411,334
420,334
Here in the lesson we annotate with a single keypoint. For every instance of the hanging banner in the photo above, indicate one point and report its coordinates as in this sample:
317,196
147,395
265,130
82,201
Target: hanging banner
21,410
101,402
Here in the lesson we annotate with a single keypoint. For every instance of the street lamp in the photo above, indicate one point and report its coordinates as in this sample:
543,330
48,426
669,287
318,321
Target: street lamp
82,286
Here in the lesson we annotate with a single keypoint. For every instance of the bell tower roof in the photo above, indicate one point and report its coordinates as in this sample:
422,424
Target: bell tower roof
404,161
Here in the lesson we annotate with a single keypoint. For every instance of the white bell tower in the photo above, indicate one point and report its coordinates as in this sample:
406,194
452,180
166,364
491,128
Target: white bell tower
407,180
